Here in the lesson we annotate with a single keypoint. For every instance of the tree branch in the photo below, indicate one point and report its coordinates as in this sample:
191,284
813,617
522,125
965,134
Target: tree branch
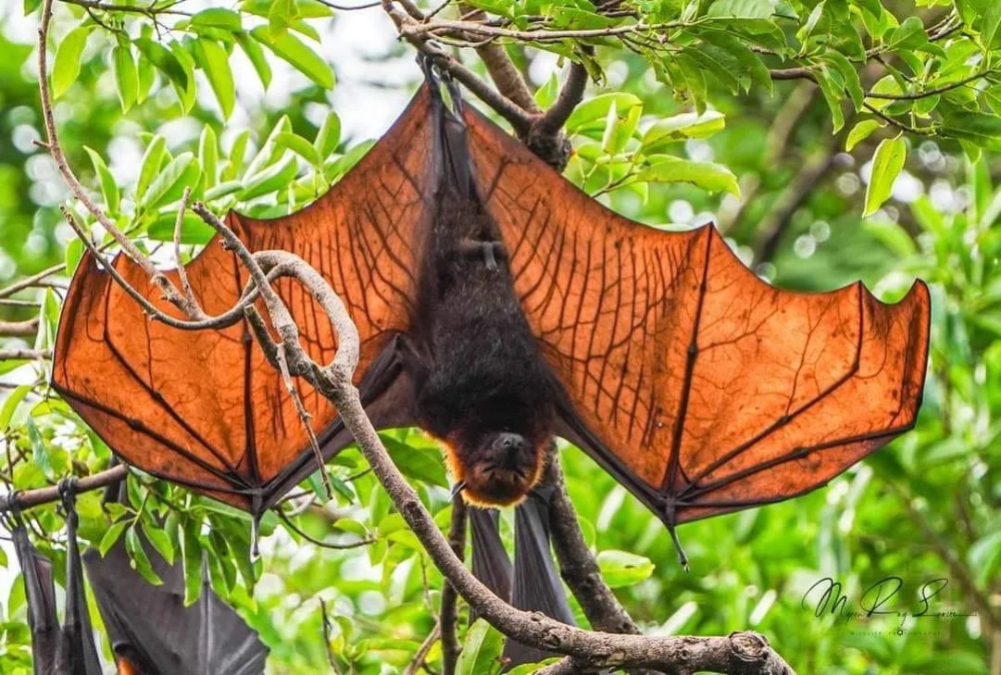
450,647
25,354
578,566
30,498
19,328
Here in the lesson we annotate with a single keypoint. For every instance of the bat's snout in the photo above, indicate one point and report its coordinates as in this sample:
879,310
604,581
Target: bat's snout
512,449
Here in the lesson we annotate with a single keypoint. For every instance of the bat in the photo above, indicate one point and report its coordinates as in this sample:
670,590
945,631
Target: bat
57,650
151,631
499,306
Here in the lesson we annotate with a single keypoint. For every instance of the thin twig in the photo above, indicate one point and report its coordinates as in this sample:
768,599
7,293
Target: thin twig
323,544
25,354
19,328
305,417
195,309
415,664
326,638
150,11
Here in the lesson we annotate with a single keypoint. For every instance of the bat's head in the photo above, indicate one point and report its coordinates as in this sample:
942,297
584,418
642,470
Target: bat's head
496,469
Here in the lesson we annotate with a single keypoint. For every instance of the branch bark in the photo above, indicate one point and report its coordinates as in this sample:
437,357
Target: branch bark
577,564
450,647
19,328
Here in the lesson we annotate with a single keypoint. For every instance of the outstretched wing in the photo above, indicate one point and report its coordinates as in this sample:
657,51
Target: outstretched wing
700,387
203,408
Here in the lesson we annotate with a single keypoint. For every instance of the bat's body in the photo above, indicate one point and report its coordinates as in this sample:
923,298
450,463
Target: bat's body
479,381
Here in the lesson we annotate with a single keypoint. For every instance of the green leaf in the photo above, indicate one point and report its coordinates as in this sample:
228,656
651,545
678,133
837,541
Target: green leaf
111,535
620,568
208,155
66,67
150,165
126,76
481,650
296,53
256,55
218,17
308,9
860,132
272,178
980,128
985,556
169,185
832,88
236,154
329,135
886,166
908,35
191,550
299,146
194,230
138,559
223,190
165,61
109,188
706,175
40,453
11,403
597,108
280,16
420,462
214,60
160,541
681,128
741,9
989,26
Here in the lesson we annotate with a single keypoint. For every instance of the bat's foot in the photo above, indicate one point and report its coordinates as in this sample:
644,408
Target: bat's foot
682,558
492,251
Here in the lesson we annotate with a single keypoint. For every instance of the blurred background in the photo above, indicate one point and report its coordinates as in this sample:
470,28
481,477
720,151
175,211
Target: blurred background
925,508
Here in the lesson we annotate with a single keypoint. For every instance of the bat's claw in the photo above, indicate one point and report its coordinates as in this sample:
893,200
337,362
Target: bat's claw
682,558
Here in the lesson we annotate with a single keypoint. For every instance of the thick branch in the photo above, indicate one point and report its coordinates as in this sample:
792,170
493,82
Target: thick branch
457,541
505,76
577,564
570,96
40,496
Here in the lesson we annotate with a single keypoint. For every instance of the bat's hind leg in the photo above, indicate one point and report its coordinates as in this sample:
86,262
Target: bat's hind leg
492,251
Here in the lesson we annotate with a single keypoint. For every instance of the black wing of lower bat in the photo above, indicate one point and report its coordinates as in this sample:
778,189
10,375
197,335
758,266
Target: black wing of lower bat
57,650
149,626
534,584
40,592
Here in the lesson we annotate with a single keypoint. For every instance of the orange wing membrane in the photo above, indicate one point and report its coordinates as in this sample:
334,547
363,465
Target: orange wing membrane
203,408
700,387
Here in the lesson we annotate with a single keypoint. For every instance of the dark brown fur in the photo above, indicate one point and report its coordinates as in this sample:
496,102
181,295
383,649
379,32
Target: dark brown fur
480,383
